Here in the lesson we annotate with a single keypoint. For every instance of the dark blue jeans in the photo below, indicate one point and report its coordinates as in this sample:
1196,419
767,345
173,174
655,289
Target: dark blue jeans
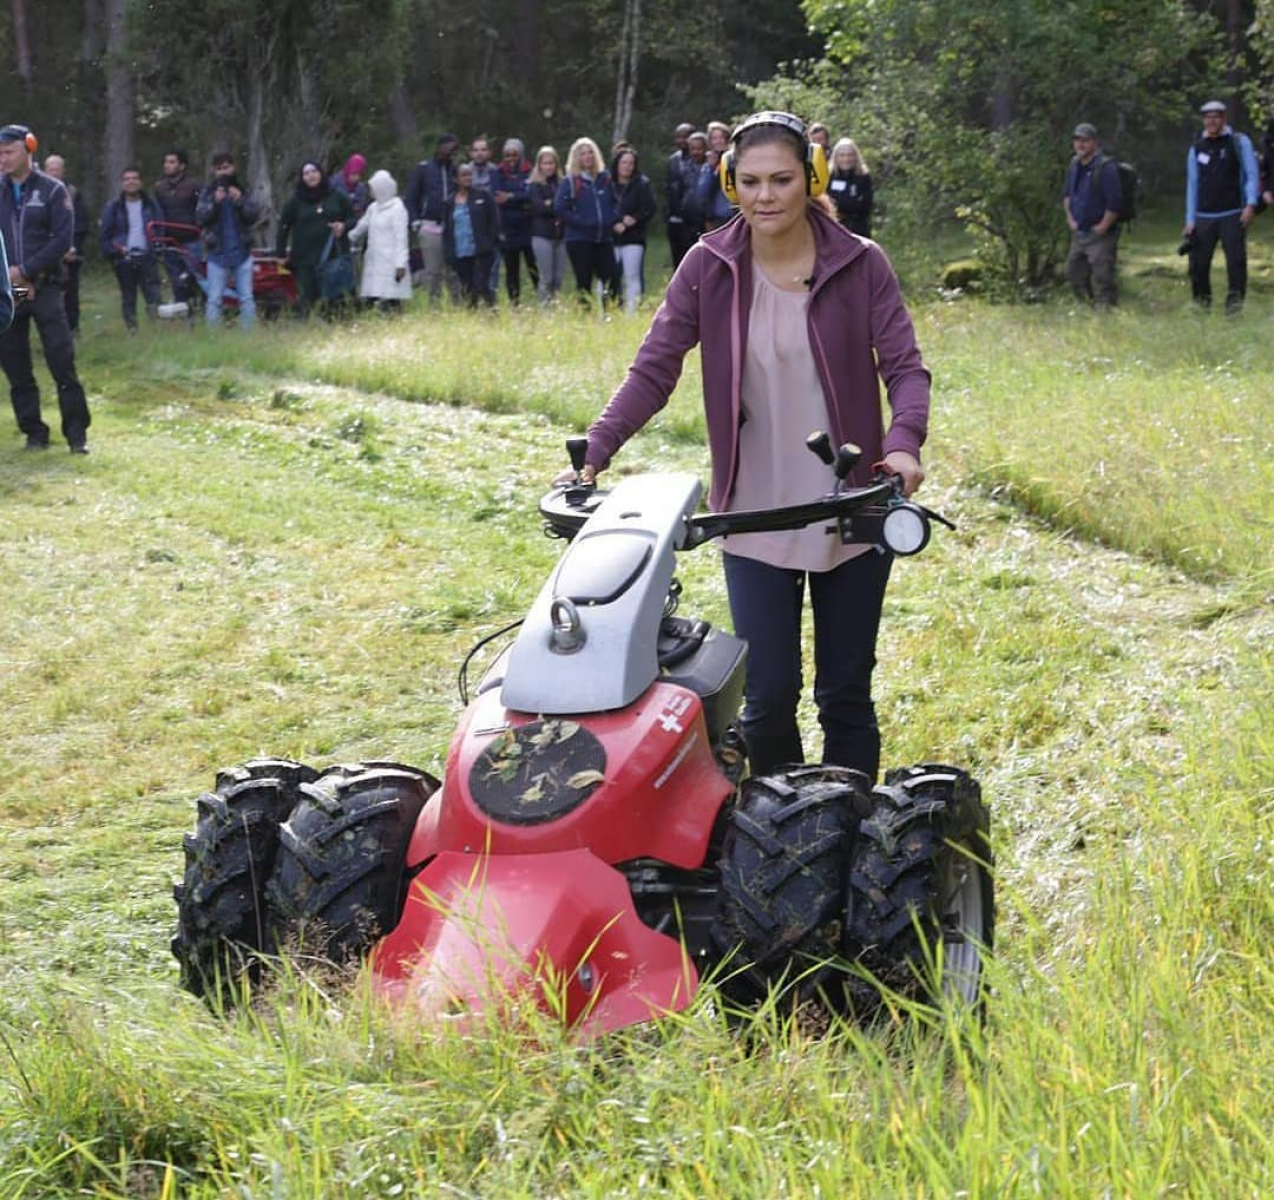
766,603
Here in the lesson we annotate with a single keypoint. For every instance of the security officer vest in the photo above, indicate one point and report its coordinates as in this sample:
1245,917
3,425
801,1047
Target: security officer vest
1219,174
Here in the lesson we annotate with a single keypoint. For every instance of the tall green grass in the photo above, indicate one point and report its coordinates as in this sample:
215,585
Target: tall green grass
285,543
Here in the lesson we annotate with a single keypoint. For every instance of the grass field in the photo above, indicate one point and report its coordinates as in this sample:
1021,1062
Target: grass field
286,542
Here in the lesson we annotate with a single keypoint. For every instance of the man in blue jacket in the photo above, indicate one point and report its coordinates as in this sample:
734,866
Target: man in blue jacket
429,192
1222,190
37,223
125,242
227,213
1093,201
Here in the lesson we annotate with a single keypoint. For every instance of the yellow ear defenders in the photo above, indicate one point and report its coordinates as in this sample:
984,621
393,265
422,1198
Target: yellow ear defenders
817,171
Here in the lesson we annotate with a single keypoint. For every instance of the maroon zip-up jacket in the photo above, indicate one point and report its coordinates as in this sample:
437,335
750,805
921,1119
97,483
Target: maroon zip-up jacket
859,330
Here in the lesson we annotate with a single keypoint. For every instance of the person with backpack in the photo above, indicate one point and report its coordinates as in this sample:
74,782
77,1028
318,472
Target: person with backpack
1093,201
1222,191
583,205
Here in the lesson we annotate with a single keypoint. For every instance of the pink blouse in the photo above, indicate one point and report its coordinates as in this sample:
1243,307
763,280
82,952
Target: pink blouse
783,404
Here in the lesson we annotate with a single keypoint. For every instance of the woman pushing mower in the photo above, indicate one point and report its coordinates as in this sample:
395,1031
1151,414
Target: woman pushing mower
796,318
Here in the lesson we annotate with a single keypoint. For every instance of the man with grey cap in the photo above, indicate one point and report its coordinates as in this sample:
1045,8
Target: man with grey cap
1093,200
1222,190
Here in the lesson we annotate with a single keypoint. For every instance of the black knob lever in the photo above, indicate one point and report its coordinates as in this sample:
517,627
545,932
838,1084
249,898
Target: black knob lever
821,444
847,458
577,448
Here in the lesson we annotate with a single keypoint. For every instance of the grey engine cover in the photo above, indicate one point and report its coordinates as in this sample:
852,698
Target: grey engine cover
616,573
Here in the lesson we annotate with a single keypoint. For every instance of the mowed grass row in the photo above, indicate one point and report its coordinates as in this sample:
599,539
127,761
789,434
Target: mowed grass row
1146,428
258,559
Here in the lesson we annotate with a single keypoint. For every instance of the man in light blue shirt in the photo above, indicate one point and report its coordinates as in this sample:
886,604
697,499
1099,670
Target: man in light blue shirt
1222,190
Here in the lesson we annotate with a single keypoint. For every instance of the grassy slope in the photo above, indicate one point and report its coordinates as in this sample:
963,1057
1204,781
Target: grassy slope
260,558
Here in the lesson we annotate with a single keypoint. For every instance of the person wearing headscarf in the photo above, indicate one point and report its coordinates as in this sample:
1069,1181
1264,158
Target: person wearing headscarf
315,213
349,179
386,279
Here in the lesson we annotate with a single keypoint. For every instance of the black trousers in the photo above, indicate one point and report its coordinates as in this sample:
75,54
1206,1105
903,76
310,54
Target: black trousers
72,294
180,266
1230,233
513,270
475,279
765,605
591,261
137,271
48,310
681,236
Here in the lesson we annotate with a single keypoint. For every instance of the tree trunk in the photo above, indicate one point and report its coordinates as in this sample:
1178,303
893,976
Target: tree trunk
1234,73
258,155
528,61
315,116
22,50
629,60
402,121
91,34
120,95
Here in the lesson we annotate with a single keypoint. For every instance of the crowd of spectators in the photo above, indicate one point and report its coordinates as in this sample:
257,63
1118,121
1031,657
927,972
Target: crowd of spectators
463,220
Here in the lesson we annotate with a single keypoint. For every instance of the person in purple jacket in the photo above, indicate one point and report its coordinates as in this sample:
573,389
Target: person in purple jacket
797,320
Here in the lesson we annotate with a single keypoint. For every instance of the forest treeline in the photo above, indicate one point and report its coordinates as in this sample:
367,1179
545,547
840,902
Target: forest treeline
962,112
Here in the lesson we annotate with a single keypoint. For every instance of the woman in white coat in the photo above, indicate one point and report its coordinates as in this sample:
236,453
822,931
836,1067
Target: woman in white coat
386,274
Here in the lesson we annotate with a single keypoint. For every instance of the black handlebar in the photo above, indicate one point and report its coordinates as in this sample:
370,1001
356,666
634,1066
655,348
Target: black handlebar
703,527
861,514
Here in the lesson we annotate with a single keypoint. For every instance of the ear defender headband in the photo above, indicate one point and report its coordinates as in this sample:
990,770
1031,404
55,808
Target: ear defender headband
20,133
817,173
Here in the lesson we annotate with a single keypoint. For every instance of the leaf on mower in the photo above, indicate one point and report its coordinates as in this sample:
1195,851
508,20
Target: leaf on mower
535,792
582,779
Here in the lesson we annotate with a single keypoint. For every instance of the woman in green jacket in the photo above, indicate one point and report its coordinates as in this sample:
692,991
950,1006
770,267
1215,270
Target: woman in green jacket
316,212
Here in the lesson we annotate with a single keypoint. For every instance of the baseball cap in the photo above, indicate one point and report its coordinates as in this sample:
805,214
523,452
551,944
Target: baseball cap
1085,130
1212,106
14,133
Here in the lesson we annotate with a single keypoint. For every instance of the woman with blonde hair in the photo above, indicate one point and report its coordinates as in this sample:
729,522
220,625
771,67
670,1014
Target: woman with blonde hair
850,188
583,205
546,230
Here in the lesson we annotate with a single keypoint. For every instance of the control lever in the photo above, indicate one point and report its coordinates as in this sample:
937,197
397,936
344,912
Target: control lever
842,461
821,444
847,458
579,491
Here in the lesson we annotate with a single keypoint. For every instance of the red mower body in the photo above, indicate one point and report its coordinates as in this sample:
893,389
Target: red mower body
518,895
273,285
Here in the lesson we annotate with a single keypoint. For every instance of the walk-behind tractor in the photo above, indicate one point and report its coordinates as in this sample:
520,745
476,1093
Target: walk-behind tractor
597,844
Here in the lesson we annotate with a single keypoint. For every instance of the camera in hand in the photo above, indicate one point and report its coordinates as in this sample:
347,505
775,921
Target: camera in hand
1187,243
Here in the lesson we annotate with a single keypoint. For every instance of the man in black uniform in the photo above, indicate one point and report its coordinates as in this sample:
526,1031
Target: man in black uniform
37,224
